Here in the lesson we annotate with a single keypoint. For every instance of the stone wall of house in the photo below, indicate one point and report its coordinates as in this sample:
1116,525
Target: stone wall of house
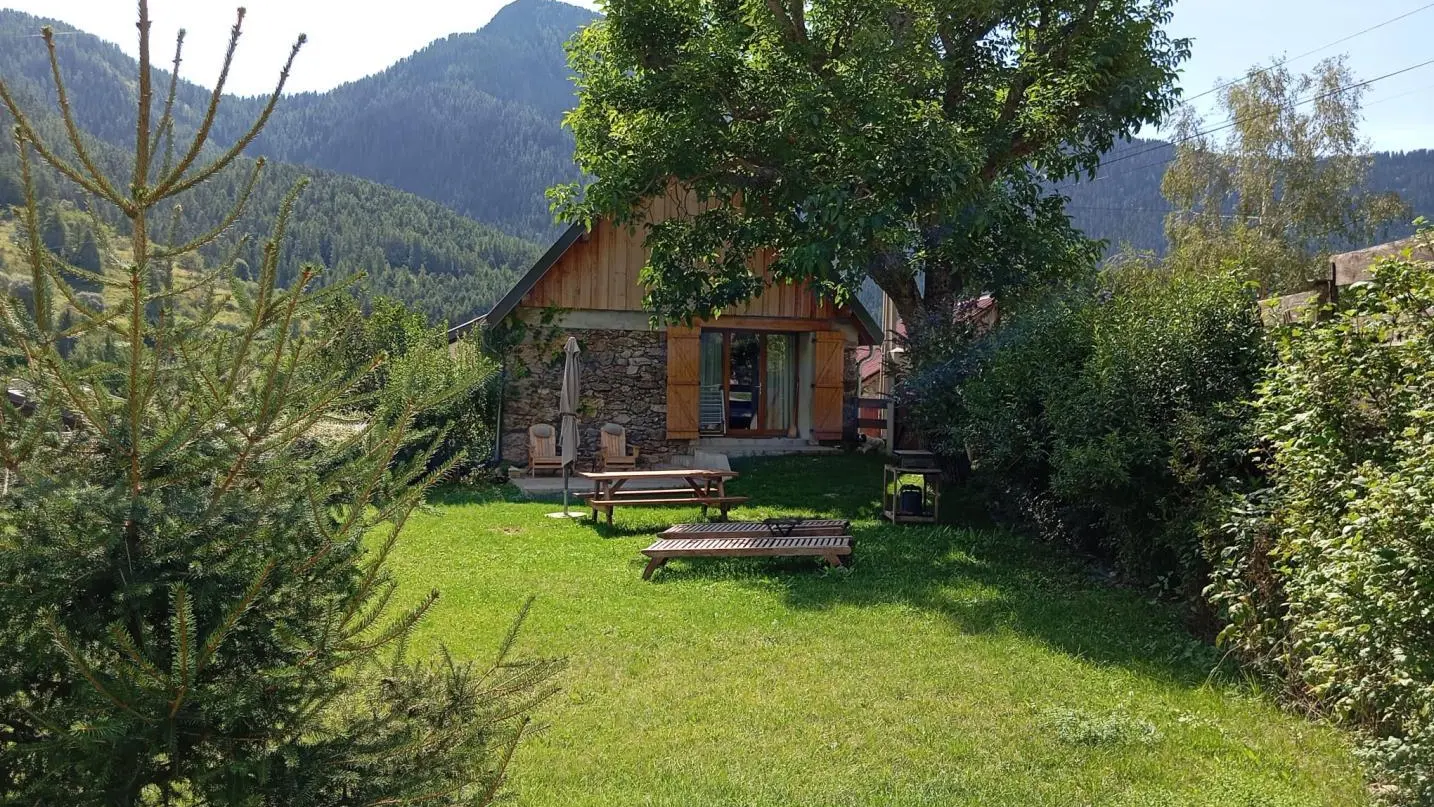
623,380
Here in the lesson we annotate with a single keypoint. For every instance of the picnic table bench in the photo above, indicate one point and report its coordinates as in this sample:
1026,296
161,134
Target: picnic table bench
704,487
823,538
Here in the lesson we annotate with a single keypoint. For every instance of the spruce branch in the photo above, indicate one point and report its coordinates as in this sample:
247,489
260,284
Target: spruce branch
25,132
166,116
228,221
138,194
63,100
232,618
176,182
36,250
202,135
72,654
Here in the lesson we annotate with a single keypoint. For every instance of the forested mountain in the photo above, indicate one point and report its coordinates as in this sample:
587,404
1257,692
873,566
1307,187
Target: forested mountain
1123,204
413,248
471,123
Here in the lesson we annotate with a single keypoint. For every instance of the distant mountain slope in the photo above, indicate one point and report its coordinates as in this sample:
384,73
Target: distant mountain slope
1123,205
412,248
472,121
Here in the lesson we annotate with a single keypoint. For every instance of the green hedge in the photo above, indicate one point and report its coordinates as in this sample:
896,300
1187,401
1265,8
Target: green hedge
1326,573
1106,418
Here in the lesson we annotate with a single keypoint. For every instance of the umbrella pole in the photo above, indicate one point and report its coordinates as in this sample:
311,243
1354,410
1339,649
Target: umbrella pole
565,488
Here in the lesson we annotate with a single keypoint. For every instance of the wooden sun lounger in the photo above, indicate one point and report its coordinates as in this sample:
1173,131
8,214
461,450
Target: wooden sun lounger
833,549
758,529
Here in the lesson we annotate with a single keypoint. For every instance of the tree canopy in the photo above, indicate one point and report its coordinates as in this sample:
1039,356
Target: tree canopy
910,142
1286,187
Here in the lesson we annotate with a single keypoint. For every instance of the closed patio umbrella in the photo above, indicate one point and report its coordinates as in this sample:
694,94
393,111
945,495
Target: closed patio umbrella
568,412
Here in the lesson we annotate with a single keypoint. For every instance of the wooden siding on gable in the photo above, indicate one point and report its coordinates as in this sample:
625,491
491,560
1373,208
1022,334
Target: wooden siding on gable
600,272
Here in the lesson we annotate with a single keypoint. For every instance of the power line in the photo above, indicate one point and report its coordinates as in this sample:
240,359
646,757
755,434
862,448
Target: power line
1233,123
1150,210
1416,90
1284,62
1120,209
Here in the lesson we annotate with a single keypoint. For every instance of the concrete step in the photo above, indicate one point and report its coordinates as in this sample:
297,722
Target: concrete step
705,460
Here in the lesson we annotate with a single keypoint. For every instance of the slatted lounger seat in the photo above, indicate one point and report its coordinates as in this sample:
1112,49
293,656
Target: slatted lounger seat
833,549
759,529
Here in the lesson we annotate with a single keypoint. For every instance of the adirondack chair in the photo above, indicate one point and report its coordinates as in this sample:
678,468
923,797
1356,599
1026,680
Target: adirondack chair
614,452
543,449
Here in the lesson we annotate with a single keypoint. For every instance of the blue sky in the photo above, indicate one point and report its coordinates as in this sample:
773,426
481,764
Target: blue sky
1230,35
353,38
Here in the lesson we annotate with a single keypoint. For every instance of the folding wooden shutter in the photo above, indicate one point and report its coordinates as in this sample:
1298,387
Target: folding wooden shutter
827,385
684,346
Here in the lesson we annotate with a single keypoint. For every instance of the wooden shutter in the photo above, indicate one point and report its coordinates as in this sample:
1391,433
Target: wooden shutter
684,347
827,385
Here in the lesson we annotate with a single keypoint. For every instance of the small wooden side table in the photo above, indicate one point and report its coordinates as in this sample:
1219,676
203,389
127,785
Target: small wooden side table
891,503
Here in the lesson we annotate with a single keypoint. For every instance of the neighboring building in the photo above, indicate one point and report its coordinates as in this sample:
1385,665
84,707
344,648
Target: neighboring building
778,369
875,364
1354,267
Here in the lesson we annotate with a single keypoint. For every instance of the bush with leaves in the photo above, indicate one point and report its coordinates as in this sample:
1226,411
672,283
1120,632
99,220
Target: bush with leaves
1106,416
394,350
1326,574
195,607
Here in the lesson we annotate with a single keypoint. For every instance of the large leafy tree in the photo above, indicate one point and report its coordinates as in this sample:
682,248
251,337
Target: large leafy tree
1285,188
909,141
196,607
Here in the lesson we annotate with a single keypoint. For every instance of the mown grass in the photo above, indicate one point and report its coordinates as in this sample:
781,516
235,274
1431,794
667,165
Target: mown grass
950,666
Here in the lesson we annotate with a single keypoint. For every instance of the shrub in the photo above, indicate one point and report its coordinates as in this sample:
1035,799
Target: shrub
1326,573
1108,417
396,354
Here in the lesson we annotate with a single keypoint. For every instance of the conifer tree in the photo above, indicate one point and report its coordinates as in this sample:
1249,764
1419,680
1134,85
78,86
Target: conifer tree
53,234
87,255
195,607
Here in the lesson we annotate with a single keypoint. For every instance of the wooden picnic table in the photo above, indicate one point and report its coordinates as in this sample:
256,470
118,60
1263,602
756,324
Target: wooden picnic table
705,487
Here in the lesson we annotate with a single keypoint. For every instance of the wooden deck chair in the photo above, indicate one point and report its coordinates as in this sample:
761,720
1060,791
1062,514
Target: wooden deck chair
614,453
543,449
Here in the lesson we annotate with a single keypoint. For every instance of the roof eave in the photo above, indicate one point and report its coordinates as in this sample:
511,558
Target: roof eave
525,284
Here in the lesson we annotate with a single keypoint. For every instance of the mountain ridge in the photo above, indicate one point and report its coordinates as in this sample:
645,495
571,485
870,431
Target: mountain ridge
410,246
468,129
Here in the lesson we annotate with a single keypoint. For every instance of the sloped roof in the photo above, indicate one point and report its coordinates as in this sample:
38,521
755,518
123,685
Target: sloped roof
525,284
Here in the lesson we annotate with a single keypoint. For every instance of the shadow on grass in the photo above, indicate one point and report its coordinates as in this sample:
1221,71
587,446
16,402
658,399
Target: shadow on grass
983,579
646,521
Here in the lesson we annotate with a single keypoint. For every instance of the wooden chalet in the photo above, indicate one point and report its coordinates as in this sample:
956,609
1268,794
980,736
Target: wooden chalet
778,369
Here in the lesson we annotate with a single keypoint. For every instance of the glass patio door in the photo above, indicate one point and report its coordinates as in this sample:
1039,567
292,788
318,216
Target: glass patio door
748,383
712,389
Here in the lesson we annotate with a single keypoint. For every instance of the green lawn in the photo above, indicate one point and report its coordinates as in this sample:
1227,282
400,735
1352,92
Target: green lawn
949,666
